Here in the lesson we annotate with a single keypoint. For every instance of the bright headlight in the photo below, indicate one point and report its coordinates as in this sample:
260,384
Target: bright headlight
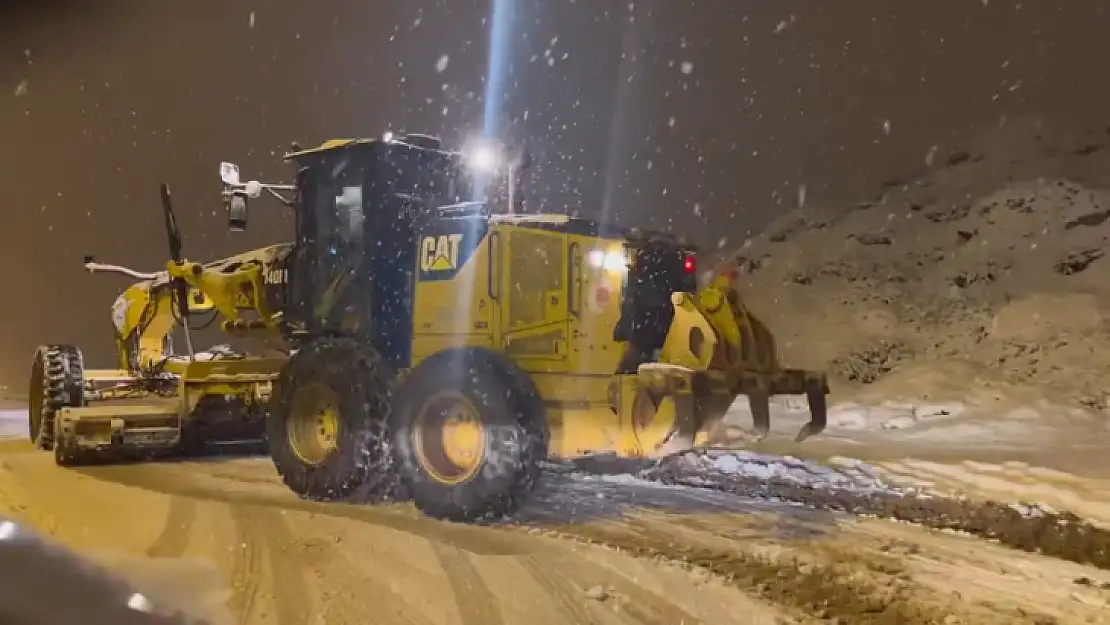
139,603
483,157
609,261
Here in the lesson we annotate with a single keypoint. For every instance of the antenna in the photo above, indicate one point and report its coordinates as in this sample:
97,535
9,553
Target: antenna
180,287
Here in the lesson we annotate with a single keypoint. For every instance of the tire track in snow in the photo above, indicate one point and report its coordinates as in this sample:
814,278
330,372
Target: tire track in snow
476,603
173,540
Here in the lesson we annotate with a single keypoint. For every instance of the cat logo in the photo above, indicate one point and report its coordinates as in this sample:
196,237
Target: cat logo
440,253
275,276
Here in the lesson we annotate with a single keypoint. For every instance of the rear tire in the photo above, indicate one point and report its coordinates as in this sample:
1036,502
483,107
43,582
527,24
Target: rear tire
506,448
57,381
347,384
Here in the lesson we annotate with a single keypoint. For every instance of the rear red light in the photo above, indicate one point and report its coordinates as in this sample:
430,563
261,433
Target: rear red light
690,264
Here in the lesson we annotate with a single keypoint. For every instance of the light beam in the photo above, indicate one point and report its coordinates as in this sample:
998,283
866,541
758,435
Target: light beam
500,23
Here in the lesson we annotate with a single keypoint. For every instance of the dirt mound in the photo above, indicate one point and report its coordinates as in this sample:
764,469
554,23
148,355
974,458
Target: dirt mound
989,264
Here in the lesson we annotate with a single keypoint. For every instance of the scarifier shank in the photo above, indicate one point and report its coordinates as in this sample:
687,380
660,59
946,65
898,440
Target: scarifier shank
716,350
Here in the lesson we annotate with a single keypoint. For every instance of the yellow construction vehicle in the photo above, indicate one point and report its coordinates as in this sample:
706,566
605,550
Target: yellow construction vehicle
450,342
155,400
443,343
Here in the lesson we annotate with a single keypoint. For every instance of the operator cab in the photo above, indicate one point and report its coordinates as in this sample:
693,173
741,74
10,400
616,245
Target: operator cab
360,206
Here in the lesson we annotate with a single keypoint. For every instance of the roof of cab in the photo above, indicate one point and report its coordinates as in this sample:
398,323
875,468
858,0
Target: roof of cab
330,144
407,140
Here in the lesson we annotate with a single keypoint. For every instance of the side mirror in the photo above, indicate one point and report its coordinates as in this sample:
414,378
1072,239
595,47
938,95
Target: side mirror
229,173
237,213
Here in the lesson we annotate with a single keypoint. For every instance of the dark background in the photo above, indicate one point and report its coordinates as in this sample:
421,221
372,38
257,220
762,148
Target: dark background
101,100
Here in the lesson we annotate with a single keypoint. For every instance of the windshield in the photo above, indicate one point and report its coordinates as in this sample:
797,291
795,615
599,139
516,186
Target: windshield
332,219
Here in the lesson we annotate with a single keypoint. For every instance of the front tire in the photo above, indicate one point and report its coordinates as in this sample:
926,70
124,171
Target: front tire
326,429
57,381
469,432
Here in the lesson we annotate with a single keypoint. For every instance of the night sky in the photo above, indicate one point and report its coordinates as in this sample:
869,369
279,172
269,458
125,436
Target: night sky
701,117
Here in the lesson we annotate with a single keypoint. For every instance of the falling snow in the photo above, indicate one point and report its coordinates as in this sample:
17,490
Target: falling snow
931,156
776,99
784,24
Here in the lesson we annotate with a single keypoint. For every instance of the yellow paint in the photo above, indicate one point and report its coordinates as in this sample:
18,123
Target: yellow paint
313,424
449,438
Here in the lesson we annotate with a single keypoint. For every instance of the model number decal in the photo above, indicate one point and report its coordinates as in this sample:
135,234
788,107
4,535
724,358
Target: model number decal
276,276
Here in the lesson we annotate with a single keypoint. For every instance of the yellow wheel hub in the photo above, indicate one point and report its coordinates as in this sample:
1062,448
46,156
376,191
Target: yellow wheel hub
313,424
449,438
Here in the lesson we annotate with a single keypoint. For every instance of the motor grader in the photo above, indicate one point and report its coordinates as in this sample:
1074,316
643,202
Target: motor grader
447,342
444,343
157,401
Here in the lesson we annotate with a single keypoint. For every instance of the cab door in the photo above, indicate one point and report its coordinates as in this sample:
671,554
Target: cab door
533,322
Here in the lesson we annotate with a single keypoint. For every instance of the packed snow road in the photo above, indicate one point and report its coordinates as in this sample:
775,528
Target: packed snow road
702,538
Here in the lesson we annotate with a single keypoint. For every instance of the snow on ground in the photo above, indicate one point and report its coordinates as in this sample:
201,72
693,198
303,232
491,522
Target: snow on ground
13,422
950,424
1010,481
853,416
1030,489
1011,454
574,496
854,476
